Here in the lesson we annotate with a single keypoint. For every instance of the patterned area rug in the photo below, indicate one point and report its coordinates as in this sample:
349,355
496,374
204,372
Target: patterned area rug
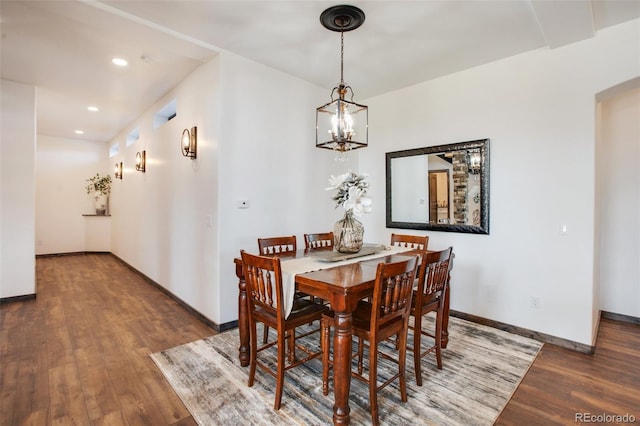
482,367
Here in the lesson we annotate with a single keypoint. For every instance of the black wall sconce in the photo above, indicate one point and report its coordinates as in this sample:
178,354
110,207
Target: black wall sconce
141,161
119,170
189,143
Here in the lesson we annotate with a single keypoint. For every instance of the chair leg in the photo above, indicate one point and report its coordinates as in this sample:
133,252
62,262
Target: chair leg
373,383
291,344
402,364
438,334
280,369
253,344
265,335
417,341
360,354
324,336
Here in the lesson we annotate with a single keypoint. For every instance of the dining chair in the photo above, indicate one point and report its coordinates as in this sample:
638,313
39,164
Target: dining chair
318,241
263,276
277,245
387,315
419,242
429,296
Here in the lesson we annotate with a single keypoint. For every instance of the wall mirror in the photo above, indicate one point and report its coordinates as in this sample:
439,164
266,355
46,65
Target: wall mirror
439,188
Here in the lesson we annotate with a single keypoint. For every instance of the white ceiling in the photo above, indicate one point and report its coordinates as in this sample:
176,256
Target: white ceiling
64,48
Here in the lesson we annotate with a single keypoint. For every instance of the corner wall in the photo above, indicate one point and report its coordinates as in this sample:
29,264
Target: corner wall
268,156
17,183
164,220
618,173
62,169
179,223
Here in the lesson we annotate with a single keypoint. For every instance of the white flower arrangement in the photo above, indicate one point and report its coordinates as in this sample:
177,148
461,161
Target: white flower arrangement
352,192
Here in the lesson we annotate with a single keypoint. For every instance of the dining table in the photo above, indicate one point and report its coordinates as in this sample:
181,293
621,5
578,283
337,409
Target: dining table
342,284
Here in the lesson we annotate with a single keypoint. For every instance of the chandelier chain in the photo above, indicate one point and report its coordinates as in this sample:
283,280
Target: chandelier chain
341,57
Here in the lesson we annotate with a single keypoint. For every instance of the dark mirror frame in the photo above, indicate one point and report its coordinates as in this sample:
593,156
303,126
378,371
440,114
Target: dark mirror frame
483,228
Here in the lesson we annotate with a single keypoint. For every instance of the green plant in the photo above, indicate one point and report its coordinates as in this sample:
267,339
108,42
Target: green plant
99,185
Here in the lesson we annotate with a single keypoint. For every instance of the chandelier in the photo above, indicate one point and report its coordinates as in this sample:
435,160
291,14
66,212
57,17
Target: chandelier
342,125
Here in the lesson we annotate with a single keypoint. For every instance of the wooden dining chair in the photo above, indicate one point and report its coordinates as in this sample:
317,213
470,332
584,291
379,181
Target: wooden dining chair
263,276
277,245
419,242
385,317
318,241
429,296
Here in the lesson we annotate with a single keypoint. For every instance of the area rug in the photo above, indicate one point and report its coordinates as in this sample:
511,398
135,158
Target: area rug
482,367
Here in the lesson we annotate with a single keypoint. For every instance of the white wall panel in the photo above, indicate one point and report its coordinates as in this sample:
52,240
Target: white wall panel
17,183
538,109
62,169
619,204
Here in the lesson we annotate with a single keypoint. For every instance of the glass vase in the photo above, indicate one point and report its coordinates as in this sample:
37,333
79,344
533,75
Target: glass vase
348,234
100,203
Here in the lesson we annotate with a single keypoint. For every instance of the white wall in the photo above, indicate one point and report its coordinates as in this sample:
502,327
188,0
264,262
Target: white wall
538,109
178,223
17,182
618,169
268,156
163,220
62,169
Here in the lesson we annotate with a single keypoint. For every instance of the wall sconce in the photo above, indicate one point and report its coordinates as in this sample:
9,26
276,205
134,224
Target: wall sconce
189,143
141,161
119,170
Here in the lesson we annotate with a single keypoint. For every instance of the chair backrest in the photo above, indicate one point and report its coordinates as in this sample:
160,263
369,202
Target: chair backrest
411,241
318,241
433,274
264,283
392,291
277,245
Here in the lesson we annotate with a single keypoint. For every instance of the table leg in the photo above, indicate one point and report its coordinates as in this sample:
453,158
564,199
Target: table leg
342,367
243,319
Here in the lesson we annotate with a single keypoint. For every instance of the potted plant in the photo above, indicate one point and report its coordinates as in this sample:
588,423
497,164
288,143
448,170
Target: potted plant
100,188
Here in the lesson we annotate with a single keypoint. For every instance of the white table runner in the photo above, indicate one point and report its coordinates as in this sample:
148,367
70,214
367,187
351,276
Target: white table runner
290,268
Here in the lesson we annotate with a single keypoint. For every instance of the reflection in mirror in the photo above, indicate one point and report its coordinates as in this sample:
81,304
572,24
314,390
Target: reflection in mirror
440,188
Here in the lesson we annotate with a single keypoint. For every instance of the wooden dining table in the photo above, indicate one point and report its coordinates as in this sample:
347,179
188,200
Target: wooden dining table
342,286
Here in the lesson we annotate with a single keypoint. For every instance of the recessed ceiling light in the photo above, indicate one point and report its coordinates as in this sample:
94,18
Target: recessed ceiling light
119,62
92,108
79,132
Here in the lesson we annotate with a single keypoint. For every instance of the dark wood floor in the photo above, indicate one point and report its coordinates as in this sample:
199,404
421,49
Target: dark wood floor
78,354
562,385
